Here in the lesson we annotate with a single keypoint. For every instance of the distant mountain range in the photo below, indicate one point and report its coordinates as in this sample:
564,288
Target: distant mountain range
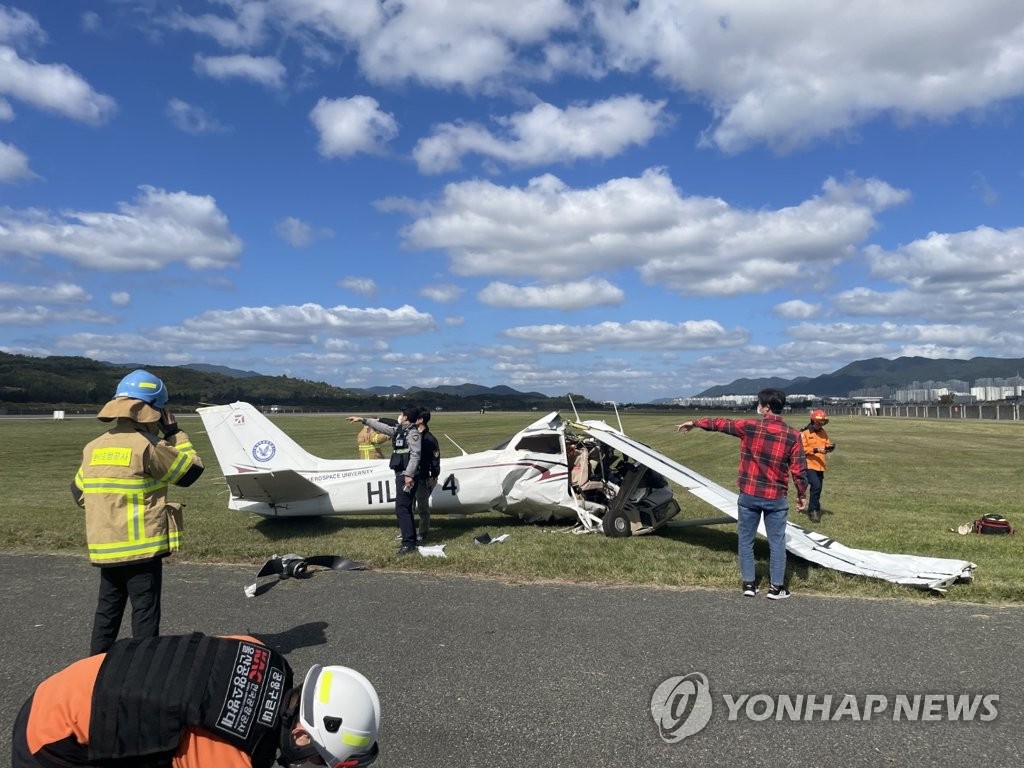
38,381
221,369
877,372
458,390
28,382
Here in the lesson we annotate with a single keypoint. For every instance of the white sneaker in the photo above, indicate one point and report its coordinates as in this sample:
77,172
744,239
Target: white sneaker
778,593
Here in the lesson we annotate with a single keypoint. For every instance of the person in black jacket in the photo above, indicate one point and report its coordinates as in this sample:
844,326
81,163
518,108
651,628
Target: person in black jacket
430,470
405,461
196,700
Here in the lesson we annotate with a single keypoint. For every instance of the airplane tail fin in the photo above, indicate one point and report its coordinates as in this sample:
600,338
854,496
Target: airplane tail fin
245,441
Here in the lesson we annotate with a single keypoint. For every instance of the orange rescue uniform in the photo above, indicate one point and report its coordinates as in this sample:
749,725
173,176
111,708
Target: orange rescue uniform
815,443
62,708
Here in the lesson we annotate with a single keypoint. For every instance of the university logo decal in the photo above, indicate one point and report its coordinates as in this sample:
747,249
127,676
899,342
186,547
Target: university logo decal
264,450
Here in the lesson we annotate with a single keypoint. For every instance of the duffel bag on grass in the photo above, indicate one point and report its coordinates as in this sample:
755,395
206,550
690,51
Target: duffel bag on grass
993,523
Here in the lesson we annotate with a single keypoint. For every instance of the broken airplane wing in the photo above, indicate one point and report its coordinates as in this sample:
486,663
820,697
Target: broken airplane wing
933,573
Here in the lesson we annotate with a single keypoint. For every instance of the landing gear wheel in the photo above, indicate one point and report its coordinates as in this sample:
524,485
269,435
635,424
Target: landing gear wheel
616,524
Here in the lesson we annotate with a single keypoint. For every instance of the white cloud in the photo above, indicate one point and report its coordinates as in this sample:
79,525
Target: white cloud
114,347
300,234
984,190
296,232
455,321
91,21
797,309
264,70
435,42
786,74
300,324
988,258
580,294
59,293
120,298
350,126
13,164
243,328
445,293
247,29
780,74
160,228
340,345
545,134
978,274
19,28
192,119
945,335
870,302
52,87
6,111
809,356
364,286
691,245
636,334
39,315
460,44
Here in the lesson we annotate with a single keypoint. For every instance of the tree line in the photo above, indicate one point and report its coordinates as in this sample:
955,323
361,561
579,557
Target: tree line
39,384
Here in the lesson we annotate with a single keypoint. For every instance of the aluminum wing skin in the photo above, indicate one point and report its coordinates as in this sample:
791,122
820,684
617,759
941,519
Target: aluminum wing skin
934,573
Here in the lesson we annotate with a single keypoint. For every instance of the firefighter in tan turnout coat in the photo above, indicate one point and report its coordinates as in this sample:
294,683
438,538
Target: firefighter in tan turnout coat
122,484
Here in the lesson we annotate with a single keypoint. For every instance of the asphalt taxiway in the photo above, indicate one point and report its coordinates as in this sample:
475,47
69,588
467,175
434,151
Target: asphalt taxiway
485,673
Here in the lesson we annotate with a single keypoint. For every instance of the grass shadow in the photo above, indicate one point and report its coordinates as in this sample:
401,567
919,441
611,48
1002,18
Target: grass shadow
279,528
711,537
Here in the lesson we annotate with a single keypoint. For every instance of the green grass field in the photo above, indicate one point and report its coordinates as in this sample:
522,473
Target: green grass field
894,485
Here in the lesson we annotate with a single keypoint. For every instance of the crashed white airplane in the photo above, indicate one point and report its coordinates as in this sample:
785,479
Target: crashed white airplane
550,469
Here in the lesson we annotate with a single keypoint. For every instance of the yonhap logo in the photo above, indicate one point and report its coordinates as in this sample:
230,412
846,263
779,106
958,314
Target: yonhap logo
681,706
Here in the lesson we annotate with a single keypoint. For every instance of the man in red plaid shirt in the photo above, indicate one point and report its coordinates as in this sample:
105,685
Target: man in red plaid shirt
770,452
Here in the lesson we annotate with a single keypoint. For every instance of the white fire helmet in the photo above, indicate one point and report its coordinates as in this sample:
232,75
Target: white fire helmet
341,711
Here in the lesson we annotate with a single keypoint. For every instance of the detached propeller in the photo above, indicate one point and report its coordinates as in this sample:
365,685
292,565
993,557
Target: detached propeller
294,566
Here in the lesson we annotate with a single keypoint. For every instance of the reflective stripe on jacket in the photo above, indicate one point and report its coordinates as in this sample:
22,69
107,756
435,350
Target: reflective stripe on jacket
368,441
123,480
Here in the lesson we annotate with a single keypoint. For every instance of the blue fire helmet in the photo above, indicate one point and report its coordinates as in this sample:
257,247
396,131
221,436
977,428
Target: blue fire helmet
143,385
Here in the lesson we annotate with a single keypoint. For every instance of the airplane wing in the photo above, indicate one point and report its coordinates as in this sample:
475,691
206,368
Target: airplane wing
933,573
280,487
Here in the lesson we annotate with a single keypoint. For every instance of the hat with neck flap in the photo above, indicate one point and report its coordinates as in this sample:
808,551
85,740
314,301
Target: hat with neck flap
139,396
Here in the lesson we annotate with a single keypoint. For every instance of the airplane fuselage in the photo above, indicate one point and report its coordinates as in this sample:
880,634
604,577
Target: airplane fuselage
505,481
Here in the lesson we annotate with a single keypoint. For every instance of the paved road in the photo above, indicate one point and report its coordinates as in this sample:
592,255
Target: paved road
475,673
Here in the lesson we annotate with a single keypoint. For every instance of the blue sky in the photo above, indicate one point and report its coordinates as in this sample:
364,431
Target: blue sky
629,200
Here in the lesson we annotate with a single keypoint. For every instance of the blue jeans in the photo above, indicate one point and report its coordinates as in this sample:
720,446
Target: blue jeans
750,509
815,479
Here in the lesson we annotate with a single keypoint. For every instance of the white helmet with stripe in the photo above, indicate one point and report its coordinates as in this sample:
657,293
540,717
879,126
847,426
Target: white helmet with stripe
341,711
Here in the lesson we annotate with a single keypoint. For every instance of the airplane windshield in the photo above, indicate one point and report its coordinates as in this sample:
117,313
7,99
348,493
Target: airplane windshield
540,444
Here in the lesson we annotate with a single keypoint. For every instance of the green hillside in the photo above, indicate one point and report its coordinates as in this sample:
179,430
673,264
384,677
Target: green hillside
39,384
878,372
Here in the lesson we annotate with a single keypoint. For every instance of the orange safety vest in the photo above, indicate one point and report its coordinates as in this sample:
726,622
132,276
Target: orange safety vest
814,448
